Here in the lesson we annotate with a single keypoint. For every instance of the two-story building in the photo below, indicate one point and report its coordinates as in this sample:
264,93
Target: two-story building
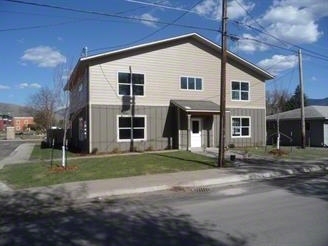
165,94
22,123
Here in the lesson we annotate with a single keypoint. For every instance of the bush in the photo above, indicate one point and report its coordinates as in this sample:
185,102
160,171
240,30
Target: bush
231,146
44,145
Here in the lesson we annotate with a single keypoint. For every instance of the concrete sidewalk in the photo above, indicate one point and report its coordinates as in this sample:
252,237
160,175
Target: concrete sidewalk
20,155
245,169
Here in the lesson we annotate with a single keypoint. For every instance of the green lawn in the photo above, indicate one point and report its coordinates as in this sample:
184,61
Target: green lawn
40,174
294,153
48,153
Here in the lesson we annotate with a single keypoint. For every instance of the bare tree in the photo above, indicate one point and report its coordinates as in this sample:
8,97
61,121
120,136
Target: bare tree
276,101
61,76
43,104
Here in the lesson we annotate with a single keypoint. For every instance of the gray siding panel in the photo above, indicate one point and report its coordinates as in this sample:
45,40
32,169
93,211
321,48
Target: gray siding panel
258,132
292,128
162,132
104,130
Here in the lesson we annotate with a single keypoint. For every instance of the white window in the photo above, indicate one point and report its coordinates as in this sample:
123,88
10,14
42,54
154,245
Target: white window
191,83
240,126
125,124
239,91
124,84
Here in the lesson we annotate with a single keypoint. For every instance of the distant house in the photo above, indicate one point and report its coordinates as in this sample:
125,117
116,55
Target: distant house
316,126
22,123
5,120
165,94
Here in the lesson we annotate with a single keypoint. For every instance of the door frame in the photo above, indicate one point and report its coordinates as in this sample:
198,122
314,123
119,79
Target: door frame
200,132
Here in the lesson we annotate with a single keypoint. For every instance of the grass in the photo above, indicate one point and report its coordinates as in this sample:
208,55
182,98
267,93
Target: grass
294,153
45,154
40,174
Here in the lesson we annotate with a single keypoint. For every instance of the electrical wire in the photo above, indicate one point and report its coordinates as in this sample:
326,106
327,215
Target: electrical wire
150,34
131,18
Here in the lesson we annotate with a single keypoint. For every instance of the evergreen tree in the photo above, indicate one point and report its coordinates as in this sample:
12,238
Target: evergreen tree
295,101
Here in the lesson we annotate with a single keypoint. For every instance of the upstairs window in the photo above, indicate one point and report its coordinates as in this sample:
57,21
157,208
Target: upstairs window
124,84
239,91
191,83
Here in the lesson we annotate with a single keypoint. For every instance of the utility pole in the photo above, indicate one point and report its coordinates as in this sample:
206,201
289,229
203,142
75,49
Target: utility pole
223,83
302,98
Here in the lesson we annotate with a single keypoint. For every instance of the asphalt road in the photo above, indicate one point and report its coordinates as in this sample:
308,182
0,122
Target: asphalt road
6,147
284,212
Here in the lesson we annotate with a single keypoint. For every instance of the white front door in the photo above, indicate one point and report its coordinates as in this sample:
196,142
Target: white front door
325,134
196,133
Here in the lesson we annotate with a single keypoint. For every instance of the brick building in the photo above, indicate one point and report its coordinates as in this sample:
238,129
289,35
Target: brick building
22,124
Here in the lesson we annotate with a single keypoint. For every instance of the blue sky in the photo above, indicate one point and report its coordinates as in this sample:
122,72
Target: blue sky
39,40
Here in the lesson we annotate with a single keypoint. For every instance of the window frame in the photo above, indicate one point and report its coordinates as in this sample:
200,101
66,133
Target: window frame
195,83
129,116
241,127
240,91
143,85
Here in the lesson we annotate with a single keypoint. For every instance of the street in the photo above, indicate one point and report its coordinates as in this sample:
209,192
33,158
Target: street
274,212
6,147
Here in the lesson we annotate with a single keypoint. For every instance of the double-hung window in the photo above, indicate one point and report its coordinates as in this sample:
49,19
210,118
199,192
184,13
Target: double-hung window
124,84
191,83
126,126
239,91
240,126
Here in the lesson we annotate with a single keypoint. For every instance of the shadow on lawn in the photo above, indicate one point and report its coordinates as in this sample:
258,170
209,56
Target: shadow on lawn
210,164
31,218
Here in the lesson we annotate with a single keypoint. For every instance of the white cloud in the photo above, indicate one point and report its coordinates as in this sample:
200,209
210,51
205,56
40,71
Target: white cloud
208,8
145,17
212,9
314,78
278,63
27,85
248,43
4,87
35,85
23,85
43,56
238,9
294,21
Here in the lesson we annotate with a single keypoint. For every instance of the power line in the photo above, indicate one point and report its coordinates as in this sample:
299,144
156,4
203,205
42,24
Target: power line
163,6
263,31
315,54
109,15
150,34
39,26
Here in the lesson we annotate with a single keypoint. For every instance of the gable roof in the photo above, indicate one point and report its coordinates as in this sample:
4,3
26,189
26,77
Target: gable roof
310,112
84,60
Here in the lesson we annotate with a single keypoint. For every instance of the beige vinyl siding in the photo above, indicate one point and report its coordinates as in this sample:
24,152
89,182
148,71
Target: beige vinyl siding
256,89
79,94
163,68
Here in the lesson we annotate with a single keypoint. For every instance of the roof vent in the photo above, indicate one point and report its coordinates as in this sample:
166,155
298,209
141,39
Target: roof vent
85,51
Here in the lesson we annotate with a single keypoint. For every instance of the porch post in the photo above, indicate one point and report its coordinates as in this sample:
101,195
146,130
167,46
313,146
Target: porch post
188,132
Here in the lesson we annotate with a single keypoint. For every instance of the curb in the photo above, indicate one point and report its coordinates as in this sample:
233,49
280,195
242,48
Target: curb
223,181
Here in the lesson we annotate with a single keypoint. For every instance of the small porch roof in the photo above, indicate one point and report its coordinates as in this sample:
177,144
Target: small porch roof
197,106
